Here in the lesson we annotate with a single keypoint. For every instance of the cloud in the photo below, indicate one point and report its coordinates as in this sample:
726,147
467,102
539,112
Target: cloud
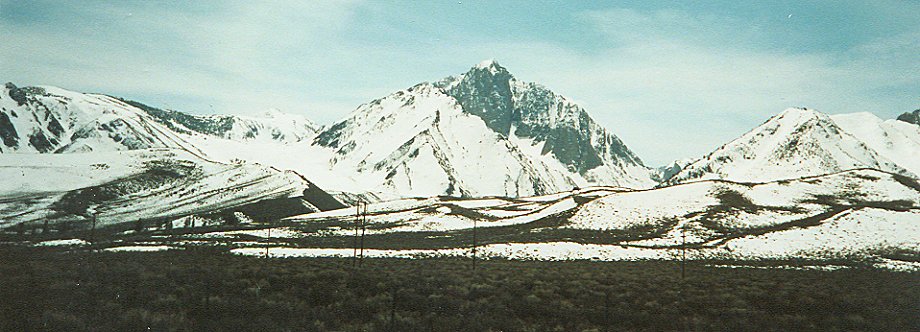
240,57
675,85
672,83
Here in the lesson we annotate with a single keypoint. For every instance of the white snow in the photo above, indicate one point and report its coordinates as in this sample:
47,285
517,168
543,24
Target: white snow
105,123
437,214
621,210
275,233
535,251
22,173
62,242
571,251
896,140
857,232
343,252
139,248
896,265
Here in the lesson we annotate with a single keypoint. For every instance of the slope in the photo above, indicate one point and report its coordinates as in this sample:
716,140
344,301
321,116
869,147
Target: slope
151,185
895,140
793,144
853,216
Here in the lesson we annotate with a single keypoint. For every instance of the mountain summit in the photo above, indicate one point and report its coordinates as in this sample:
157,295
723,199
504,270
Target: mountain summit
532,111
795,143
439,138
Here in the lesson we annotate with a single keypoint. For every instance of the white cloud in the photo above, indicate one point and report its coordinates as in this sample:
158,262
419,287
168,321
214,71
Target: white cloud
672,84
242,57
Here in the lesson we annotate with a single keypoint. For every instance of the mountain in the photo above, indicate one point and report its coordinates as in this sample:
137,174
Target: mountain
65,152
795,143
273,125
663,173
49,119
911,117
480,133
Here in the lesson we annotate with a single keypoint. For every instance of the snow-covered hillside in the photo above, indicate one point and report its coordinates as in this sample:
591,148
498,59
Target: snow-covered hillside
895,140
139,185
711,211
864,214
48,119
803,142
481,133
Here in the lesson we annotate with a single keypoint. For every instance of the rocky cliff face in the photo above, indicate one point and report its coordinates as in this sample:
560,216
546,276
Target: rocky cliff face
530,110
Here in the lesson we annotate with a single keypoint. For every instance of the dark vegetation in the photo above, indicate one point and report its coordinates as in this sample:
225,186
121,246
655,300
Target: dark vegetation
543,230
204,290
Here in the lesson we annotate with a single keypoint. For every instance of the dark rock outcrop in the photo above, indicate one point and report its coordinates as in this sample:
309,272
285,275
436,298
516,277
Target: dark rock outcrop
911,117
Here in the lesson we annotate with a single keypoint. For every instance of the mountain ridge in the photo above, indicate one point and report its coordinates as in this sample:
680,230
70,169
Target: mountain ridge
794,143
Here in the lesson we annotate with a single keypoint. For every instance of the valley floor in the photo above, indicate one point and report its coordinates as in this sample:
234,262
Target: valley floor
49,288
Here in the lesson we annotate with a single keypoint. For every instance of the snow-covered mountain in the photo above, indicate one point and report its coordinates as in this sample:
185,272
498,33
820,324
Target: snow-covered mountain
803,142
479,133
49,119
64,152
271,126
663,173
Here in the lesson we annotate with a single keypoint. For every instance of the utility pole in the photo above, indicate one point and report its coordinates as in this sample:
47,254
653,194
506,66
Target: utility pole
683,255
269,239
92,233
474,244
363,229
682,304
354,255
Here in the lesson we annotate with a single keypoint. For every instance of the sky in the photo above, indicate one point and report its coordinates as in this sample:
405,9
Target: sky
672,79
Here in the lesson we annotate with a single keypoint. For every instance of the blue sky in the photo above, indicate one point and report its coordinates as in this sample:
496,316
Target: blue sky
672,79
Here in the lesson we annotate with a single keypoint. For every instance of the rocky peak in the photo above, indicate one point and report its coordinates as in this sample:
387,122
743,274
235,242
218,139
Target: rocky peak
910,117
491,66
17,94
490,92
485,91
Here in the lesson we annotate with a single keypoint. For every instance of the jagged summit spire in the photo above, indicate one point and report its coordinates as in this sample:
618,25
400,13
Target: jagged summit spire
487,63
490,65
